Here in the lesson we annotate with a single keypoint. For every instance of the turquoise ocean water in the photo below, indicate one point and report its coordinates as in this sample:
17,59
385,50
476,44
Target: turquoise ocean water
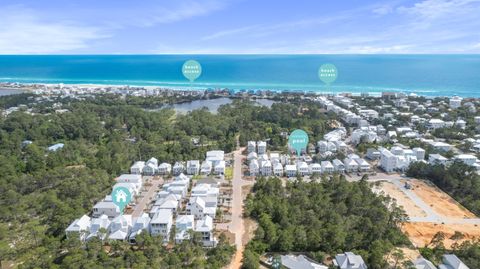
432,75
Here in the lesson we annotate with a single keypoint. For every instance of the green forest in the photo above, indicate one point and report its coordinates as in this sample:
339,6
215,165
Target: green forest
323,219
43,192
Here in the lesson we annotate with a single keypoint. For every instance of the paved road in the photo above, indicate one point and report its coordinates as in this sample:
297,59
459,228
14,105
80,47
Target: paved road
432,216
236,226
143,202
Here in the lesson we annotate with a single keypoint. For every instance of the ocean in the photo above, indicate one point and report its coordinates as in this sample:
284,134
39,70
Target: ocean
430,75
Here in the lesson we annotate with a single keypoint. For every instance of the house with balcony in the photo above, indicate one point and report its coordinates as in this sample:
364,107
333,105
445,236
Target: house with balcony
161,224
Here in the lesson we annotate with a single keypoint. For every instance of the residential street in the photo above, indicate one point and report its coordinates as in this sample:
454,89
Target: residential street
236,226
143,202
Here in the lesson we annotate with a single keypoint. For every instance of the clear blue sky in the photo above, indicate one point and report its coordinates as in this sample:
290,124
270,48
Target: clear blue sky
238,26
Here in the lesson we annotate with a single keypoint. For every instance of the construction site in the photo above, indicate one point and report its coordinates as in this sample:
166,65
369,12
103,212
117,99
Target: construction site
429,211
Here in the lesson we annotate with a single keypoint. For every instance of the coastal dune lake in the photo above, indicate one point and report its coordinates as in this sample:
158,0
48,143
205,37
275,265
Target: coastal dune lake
430,75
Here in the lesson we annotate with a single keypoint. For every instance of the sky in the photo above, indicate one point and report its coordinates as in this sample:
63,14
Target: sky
239,26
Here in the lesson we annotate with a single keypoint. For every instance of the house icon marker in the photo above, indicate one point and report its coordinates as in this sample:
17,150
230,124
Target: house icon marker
120,196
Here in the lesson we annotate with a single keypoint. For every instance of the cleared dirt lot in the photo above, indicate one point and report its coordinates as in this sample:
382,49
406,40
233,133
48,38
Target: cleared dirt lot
431,211
401,199
422,233
439,201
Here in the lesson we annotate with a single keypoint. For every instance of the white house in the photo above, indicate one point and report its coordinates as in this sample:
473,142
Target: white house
461,124
437,159
388,161
341,146
169,203
137,167
205,190
254,168
261,147
164,169
303,169
441,146
455,102
252,156
278,169
132,188
205,228
422,263
97,226
350,165
193,167
197,207
419,153
151,167
266,168
274,157
451,261
315,168
363,166
80,227
322,146
206,168
476,119
129,178
349,260
436,123
161,224
327,167
120,227
251,146
290,170
219,168
215,156
300,262
178,168
183,224
140,225
338,166
467,159
106,207
331,146
373,154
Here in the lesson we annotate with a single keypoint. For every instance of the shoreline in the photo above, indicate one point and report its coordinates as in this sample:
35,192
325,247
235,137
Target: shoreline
33,87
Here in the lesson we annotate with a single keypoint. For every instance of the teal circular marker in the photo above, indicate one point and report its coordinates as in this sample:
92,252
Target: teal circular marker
298,140
192,69
328,73
121,196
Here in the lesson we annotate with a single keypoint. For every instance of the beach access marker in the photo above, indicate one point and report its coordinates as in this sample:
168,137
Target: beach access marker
121,196
192,70
298,140
328,73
